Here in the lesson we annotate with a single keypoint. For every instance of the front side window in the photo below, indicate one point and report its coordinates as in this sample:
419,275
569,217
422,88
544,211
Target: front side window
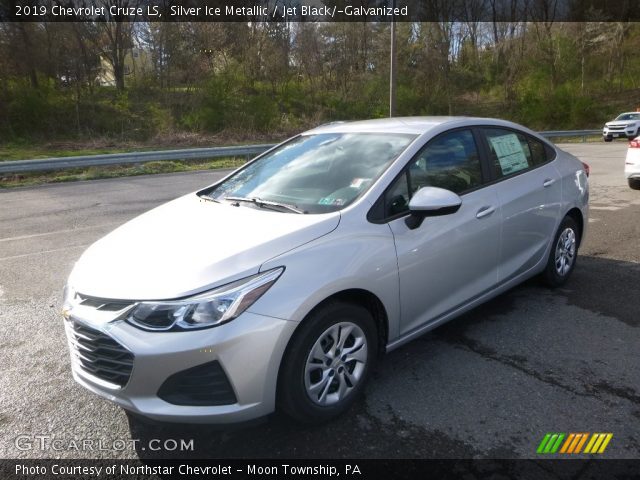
314,173
450,161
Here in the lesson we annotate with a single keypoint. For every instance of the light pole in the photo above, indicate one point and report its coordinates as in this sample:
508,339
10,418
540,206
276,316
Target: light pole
392,67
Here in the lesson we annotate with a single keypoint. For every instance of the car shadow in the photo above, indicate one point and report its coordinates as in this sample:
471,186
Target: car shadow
600,285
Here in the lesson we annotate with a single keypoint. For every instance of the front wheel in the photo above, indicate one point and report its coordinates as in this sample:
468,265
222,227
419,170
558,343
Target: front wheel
634,183
328,362
607,139
563,255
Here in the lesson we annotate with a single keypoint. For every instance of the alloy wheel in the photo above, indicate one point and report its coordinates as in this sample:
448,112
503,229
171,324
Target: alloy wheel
565,251
335,364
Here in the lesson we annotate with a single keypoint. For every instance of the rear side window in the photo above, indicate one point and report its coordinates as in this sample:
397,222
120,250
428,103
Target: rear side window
509,151
449,161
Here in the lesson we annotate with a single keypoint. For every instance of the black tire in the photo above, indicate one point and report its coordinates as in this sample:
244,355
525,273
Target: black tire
634,183
556,272
607,139
293,396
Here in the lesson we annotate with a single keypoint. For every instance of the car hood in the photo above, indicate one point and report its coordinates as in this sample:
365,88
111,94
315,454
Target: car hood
188,246
621,123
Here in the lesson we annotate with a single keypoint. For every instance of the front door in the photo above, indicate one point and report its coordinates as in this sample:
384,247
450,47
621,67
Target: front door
450,259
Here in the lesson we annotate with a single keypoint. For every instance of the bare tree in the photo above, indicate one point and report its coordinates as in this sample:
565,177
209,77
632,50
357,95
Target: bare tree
113,38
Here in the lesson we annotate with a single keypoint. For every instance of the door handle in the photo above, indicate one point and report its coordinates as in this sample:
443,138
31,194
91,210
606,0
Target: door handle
548,182
485,212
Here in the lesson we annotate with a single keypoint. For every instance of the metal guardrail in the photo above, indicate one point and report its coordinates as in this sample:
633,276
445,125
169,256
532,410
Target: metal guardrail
571,133
62,163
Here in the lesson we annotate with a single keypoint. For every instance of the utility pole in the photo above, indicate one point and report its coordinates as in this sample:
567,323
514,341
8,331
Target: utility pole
392,68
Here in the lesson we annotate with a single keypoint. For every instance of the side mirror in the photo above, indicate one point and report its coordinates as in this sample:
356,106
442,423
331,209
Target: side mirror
431,202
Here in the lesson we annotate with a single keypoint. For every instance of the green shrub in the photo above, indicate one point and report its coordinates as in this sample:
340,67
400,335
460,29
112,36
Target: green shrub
160,119
260,112
162,167
38,113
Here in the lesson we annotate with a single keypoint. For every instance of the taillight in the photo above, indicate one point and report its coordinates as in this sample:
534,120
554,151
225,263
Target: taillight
635,143
587,169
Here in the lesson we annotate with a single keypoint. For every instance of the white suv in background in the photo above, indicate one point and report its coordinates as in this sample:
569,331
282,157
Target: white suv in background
625,125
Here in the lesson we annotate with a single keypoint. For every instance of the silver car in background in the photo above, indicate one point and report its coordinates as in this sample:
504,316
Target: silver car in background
282,284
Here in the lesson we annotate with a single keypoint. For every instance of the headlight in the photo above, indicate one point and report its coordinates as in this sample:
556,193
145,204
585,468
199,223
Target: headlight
209,309
68,295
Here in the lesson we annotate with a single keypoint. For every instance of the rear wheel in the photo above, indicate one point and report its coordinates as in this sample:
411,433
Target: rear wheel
563,255
634,183
328,362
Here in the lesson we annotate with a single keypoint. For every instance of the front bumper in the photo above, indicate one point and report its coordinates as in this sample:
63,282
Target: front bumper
630,133
630,172
249,350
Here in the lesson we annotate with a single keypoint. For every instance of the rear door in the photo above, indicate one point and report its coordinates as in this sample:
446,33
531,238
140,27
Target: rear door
529,196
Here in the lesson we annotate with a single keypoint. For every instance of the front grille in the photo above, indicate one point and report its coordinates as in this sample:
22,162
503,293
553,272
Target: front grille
98,354
101,303
204,385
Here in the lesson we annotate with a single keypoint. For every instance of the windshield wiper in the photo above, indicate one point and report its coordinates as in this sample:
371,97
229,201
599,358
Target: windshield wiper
208,198
265,203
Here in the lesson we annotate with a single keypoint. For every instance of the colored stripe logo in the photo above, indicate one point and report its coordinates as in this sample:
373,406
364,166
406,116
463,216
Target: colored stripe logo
573,443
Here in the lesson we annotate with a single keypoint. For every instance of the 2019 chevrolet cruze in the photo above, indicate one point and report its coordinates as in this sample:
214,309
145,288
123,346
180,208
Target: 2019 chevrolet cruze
280,285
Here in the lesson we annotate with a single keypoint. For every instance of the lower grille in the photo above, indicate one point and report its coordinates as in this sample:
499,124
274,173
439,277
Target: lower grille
204,385
98,354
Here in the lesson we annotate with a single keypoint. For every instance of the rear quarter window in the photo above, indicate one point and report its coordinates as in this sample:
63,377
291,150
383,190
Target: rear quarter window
539,154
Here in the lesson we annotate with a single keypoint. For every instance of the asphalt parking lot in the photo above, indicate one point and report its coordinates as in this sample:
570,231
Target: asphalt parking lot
487,385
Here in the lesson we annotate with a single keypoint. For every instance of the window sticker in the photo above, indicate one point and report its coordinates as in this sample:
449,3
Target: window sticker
340,197
510,153
359,182
332,201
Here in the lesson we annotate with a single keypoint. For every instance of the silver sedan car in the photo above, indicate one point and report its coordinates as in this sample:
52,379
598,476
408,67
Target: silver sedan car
283,283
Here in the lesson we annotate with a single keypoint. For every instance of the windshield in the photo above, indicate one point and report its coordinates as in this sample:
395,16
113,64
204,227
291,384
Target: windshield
314,173
629,116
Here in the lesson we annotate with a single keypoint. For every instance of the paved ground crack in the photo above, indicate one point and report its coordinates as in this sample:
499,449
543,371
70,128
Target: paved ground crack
622,392
515,362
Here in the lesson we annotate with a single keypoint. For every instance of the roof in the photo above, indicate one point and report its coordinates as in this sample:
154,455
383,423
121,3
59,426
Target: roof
413,125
